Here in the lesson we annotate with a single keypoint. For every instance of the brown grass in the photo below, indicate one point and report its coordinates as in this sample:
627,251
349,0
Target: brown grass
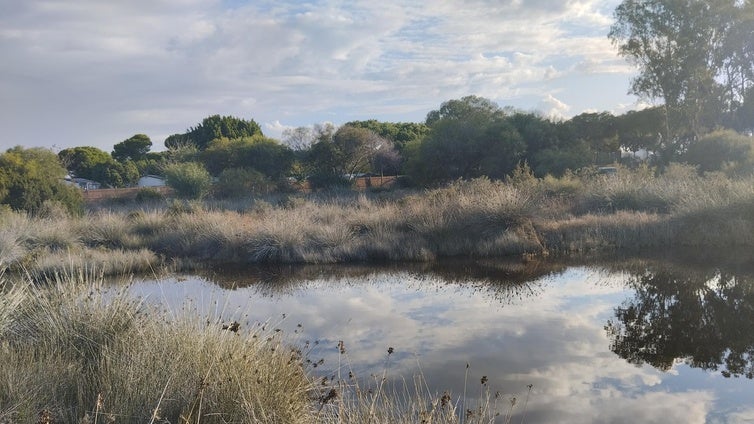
479,218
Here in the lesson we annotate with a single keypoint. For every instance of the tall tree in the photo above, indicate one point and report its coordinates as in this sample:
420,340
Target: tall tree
468,138
697,56
213,127
134,148
672,43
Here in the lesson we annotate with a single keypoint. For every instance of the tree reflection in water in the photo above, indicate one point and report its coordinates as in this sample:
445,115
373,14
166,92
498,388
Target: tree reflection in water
703,319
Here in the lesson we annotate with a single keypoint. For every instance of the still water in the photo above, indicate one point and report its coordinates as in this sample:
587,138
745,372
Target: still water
633,340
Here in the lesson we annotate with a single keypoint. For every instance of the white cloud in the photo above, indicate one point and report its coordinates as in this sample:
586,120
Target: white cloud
553,108
97,72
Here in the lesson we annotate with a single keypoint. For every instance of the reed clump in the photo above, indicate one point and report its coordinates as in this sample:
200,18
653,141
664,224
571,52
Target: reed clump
77,351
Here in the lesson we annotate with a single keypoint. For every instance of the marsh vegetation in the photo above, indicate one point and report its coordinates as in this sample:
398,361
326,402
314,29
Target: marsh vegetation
523,215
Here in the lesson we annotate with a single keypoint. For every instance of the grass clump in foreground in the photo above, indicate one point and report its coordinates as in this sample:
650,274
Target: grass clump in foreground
73,353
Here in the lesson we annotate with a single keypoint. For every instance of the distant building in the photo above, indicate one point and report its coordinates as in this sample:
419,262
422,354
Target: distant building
83,183
151,181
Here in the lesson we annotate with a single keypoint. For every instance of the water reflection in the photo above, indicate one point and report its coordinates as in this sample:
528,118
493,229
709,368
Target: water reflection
518,323
701,317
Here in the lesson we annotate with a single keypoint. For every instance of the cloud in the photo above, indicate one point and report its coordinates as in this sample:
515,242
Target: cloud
553,108
98,72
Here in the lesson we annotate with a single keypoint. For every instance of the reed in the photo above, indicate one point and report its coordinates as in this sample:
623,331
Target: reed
75,351
477,218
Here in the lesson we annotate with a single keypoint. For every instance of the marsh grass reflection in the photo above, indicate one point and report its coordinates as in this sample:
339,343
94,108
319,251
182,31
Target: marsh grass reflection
504,278
701,317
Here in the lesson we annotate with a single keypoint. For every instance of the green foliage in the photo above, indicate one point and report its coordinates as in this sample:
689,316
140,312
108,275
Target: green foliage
694,55
399,133
188,179
148,195
31,177
259,153
720,150
537,132
641,129
468,138
347,151
240,182
557,161
97,165
132,149
213,127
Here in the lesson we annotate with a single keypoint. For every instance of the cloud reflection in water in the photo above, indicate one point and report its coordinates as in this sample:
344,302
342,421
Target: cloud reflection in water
548,332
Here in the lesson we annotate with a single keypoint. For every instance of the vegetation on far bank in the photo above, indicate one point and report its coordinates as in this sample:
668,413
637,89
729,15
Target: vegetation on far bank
523,215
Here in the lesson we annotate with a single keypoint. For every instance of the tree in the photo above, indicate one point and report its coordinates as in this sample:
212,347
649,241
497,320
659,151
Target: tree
30,177
641,129
468,138
134,148
340,153
213,127
399,133
694,55
671,42
97,165
239,182
299,138
357,147
259,153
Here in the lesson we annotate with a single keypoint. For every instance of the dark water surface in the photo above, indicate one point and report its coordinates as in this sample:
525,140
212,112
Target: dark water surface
632,340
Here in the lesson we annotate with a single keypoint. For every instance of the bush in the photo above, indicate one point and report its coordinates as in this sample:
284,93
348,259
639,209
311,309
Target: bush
721,150
30,177
239,182
147,195
189,179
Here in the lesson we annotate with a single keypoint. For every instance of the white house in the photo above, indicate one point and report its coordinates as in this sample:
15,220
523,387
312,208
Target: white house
151,181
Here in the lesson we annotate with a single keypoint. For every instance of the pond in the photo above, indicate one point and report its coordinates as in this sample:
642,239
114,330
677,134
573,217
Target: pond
629,340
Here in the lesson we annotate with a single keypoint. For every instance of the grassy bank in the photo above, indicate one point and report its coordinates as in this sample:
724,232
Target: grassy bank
479,218
75,351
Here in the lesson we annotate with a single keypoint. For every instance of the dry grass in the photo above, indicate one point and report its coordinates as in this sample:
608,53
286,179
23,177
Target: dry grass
478,218
381,399
75,352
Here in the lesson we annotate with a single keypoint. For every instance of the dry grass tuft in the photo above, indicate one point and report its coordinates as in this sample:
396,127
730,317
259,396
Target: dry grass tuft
75,350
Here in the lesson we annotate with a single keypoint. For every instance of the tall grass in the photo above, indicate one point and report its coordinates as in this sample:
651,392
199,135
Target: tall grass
75,351
477,218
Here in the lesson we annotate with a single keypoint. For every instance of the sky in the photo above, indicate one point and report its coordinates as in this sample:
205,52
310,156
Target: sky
94,73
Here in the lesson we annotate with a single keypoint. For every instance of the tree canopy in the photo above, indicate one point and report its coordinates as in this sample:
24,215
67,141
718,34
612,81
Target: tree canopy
213,127
694,55
31,177
97,165
134,148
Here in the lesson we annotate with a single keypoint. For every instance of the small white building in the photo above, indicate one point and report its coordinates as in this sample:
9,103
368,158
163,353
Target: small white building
151,181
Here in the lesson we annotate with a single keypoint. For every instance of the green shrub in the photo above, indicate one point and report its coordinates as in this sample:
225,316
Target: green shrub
148,195
721,150
189,179
239,182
